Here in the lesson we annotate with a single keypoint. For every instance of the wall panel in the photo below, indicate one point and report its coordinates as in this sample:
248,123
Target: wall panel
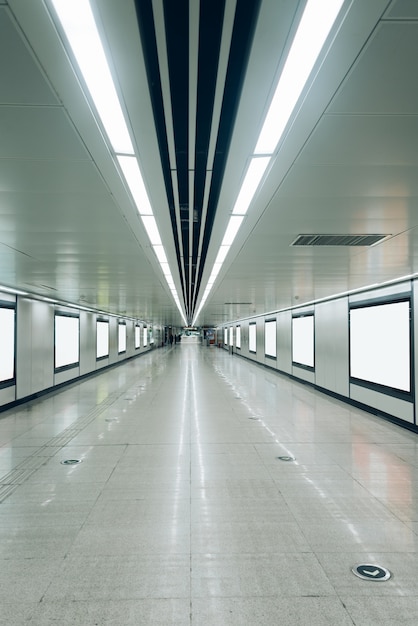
35,347
284,341
332,345
87,342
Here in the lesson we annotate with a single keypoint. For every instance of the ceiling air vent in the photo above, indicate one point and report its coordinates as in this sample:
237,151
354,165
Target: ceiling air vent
338,240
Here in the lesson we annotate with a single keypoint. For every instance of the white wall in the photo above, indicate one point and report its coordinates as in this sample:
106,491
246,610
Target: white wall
331,371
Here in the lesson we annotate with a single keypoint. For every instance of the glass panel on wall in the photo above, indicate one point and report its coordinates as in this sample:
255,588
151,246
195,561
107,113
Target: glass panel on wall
121,338
270,338
102,339
145,336
380,344
238,336
7,343
252,337
137,336
303,340
67,342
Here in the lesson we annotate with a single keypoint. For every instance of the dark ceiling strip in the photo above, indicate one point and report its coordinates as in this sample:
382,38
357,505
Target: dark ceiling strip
176,17
244,27
210,35
146,26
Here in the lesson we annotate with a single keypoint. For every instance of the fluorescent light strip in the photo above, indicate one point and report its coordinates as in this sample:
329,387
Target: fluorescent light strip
234,224
152,229
80,28
313,30
250,184
132,173
160,253
166,269
223,251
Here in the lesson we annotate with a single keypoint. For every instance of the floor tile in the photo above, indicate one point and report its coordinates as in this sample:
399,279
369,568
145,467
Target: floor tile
25,580
256,537
258,575
127,577
269,611
144,612
385,611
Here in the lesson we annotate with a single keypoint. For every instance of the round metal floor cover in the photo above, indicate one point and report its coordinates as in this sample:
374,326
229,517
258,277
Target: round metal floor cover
368,571
286,458
257,419
70,461
112,419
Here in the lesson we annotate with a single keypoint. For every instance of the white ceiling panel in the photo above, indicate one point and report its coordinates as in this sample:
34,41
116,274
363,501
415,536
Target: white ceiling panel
22,81
38,132
363,140
403,9
380,82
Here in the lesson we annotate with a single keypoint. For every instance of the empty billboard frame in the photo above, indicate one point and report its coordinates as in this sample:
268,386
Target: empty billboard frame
137,336
238,336
121,337
66,340
102,339
303,341
7,343
381,345
270,340
252,337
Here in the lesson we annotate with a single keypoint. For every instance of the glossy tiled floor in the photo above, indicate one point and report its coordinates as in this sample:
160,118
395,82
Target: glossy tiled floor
181,513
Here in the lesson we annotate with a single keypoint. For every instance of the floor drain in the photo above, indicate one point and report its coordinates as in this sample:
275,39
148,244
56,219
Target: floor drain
368,571
257,419
286,458
112,419
70,461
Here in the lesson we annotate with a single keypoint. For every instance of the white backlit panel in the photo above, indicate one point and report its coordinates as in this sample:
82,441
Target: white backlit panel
252,338
7,342
226,336
270,338
231,335
380,344
67,345
102,339
303,340
137,336
238,336
121,338
145,336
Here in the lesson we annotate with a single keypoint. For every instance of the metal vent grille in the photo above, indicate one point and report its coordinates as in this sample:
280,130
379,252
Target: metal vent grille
338,240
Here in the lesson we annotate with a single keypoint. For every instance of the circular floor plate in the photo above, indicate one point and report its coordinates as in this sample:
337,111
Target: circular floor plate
369,571
70,461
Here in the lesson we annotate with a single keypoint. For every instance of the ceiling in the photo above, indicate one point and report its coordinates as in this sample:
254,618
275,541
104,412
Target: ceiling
195,80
